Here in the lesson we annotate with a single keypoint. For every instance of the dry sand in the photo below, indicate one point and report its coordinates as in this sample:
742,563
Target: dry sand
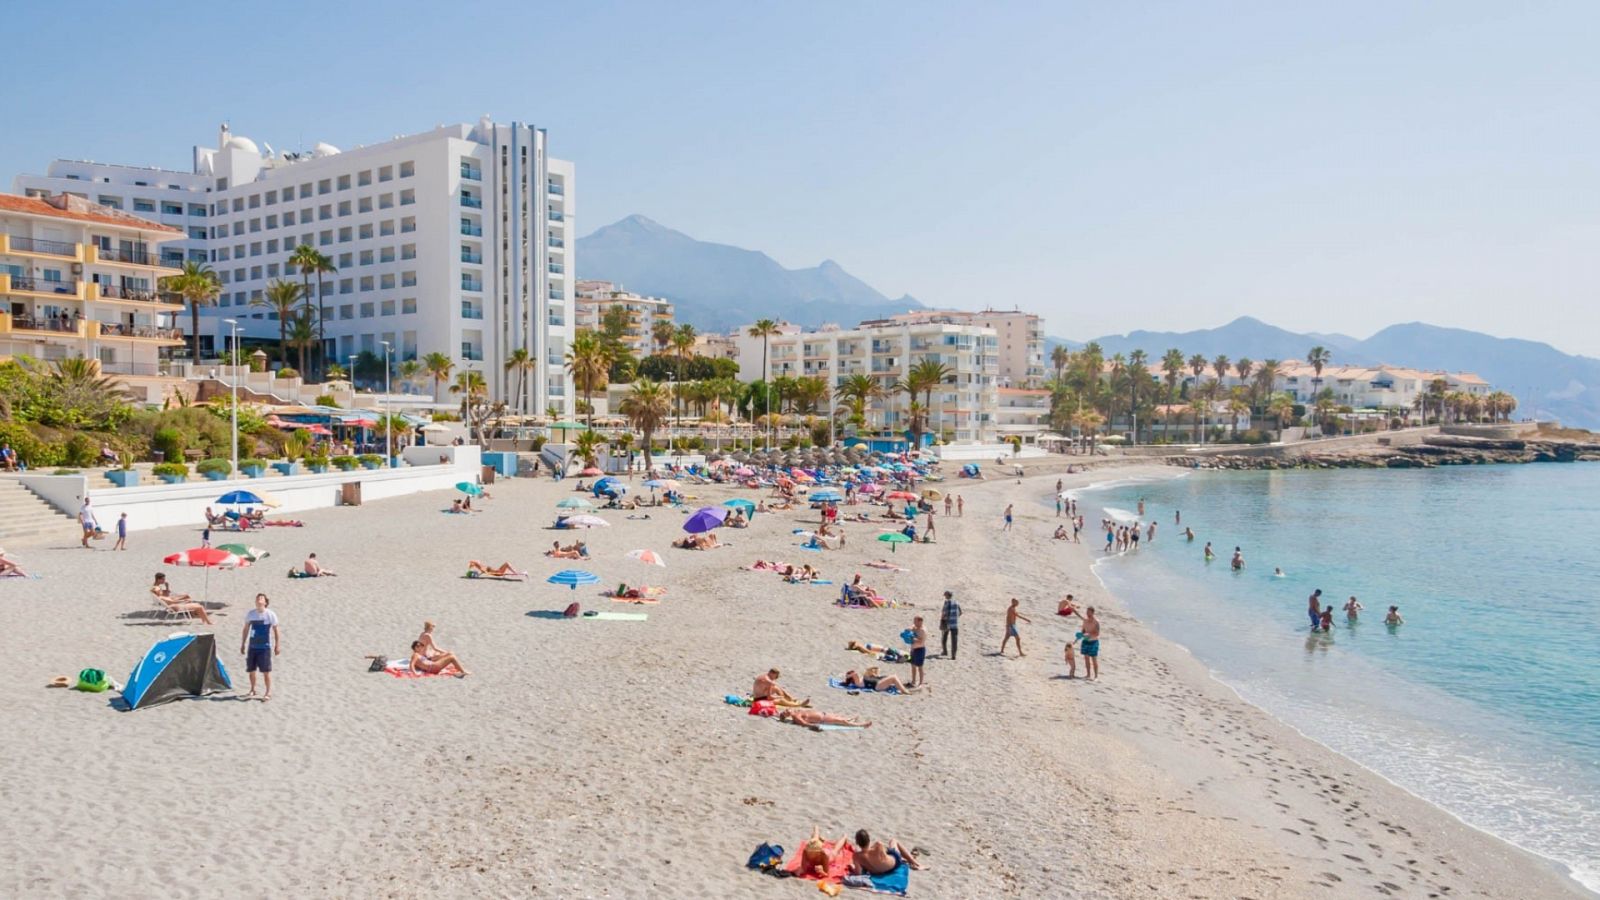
597,758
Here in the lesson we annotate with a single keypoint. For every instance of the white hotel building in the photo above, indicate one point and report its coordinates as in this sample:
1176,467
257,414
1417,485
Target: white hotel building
963,408
455,240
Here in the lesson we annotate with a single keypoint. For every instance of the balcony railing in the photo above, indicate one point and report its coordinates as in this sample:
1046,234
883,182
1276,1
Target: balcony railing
471,174
134,257
42,286
46,323
468,284
558,295
557,242
113,329
163,367
554,215
118,292
471,355
471,230
471,202
471,257
553,188
557,269
34,245
470,312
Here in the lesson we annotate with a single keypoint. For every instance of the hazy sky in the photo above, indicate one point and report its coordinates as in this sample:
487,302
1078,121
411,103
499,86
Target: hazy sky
1331,167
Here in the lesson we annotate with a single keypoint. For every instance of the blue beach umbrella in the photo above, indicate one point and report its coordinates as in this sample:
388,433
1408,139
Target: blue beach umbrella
705,519
742,504
232,498
573,577
468,488
575,503
826,496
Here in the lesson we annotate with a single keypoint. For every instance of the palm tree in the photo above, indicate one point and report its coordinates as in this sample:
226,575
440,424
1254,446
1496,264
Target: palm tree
198,286
472,389
1319,357
408,370
1280,408
589,362
1060,357
1088,422
1236,405
1172,365
858,391
1266,374
930,373
1137,375
1244,367
646,408
1438,389
1222,365
520,364
302,334
682,341
281,297
587,447
438,366
661,333
310,261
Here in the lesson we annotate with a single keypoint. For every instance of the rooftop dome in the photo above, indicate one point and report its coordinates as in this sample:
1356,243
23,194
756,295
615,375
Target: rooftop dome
240,142
323,149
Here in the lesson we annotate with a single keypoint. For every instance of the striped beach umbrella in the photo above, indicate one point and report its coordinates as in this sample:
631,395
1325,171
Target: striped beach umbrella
573,577
648,557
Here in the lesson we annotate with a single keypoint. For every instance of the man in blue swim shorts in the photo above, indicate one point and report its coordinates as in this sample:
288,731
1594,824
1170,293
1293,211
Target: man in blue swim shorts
1091,644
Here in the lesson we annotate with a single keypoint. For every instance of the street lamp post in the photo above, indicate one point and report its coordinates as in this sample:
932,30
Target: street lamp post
234,324
388,442
353,358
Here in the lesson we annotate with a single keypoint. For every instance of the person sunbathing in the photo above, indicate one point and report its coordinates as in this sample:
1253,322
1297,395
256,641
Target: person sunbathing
1061,534
559,552
1066,607
811,718
504,570
430,647
885,564
455,506
314,569
421,662
805,575
762,565
766,688
817,855
875,858
177,602
9,568
874,680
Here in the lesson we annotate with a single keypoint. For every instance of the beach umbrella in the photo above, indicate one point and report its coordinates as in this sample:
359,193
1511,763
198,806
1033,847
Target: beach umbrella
705,519
247,553
208,558
870,488
826,495
743,504
468,488
892,538
583,521
931,494
233,498
648,557
575,503
900,495
270,501
573,577
744,471
590,470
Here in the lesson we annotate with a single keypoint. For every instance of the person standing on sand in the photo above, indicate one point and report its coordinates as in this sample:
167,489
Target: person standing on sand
86,519
961,506
122,533
1011,628
927,535
1314,608
1090,648
949,626
1352,608
919,652
1008,518
949,501
1058,506
261,636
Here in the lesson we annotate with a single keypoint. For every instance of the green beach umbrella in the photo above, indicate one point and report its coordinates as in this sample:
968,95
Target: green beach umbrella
245,552
893,537
575,503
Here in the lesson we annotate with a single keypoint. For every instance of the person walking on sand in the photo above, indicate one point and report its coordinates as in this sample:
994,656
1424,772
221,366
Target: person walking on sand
961,506
1012,615
1090,646
122,533
1008,518
86,520
1352,609
919,652
949,501
261,637
1314,608
949,626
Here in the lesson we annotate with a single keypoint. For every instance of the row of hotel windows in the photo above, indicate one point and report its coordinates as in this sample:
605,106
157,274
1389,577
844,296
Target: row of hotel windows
306,216
368,310
325,186
345,260
343,286
345,235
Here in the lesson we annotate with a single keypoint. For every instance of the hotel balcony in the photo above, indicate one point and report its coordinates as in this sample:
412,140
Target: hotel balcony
140,259
471,230
555,243
469,311
471,284
28,286
77,331
471,202
23,246
471,174
467,256
111,293
555,189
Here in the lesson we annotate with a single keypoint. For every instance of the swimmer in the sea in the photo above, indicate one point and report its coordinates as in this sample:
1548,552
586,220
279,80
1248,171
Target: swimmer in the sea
1352,608
1209,555
1393,618
1238,559
1278,573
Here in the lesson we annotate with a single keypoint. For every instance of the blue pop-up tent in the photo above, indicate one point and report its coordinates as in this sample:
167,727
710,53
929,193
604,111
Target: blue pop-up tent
182,665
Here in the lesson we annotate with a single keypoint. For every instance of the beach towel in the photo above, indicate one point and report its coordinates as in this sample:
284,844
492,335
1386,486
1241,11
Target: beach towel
838,867
893,882
836,683
479,576
837,727
617,616
401,668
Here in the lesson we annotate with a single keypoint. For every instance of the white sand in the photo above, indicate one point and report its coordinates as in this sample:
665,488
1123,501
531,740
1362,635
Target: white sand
597,759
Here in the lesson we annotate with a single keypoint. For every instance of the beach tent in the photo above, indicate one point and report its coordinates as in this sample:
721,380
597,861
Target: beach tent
180,665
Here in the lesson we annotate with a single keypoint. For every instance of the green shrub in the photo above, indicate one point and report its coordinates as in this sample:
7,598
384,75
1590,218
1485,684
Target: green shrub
81,450
169,441
171,468
344,462
316,461
368,459
326,400
287,372
65,472
30,450
209,466
252,464
446,417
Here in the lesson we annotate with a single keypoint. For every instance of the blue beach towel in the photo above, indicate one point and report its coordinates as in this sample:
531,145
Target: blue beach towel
895,882
836,683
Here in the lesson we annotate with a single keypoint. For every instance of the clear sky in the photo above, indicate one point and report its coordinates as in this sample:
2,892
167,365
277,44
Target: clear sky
1329,167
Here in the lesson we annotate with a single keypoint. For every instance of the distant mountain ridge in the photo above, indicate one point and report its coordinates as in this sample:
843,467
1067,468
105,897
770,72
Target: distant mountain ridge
1547,383
717,287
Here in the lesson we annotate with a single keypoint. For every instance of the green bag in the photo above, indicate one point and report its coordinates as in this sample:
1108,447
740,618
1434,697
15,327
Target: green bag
92,680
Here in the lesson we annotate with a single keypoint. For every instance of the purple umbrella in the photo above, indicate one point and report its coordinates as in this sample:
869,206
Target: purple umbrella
705,519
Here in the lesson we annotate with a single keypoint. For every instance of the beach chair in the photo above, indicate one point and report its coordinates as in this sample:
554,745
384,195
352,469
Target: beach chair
170,611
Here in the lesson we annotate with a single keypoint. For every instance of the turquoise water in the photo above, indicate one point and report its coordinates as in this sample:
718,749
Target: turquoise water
1485,702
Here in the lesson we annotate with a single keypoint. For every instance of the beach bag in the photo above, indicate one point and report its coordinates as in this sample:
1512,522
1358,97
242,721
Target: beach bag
379,663
92,680
766,709
765,857
571,612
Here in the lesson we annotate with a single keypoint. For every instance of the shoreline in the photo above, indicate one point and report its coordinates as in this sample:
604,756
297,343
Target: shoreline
583,758
1554,866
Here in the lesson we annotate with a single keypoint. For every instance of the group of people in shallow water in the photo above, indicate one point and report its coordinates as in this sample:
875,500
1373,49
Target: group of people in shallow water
1322,616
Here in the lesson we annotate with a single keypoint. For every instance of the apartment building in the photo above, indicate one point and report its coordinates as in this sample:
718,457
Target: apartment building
455,240
1020,335
78,280
717,346
962,409
597,298
1022,413
1371,387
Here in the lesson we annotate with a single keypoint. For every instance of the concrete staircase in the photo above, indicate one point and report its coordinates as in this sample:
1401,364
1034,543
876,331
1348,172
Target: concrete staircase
25,517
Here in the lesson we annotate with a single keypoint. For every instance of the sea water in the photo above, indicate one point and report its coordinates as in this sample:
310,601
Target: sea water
1485,702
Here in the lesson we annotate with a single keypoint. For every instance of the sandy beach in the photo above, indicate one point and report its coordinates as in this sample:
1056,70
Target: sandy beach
597,758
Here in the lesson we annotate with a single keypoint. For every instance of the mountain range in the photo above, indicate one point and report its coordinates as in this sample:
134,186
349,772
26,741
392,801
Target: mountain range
717,287
1547,383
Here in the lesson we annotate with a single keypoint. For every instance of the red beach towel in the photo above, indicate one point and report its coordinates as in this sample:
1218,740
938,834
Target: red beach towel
836,871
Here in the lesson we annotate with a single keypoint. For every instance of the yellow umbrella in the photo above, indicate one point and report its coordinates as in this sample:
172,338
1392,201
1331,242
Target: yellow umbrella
269,501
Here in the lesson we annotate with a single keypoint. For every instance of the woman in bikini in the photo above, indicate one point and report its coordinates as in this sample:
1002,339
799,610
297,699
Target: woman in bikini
503,570
811,718
177,602
421,662
874,680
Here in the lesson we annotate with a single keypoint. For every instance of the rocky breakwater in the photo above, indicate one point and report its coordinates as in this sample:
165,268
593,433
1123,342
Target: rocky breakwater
1435,450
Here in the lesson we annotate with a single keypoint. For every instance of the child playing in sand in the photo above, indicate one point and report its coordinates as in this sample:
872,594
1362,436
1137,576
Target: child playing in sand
1072,658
